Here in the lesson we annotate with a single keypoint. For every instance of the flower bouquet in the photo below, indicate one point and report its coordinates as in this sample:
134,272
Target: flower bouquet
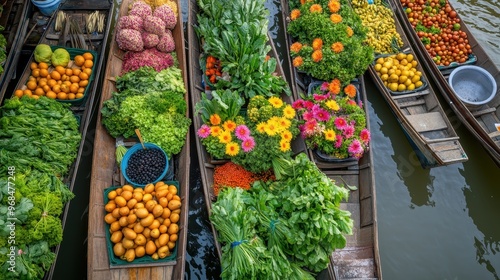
254,140
328,40
332,122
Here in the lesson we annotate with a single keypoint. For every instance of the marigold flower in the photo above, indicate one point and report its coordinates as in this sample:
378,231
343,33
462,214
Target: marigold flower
317,55
288,112
271,128
336,18
315,8
317,44
330,135
284,145
295,14
229,125
215,119
204,131
232,149
334,6
337,47
349,32
350,90
298,61
296,47
334,86
284,124
225,137
215,131
275,101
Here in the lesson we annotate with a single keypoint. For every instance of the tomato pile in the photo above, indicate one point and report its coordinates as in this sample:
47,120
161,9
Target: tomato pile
438,27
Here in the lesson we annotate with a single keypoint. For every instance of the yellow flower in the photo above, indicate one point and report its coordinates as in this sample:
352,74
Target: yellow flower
284,145
275,101
330,135
284,123
215,131
289,112
271,128
315,8
334,6
261,127
296,47
215,119
337,47
295,14
336,18
286,135
332,104
298,61
229,125
225,137
232,148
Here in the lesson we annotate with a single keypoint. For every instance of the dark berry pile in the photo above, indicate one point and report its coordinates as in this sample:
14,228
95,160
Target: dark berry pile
146,165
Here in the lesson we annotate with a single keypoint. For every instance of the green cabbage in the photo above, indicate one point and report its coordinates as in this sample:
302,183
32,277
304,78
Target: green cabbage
43,53
60,57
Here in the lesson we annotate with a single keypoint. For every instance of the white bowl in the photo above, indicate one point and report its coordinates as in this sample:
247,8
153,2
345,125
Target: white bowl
473,85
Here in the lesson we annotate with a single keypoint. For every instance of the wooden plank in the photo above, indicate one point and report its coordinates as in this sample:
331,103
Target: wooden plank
427,122
419,93
443,139
483,112
494,134
404,104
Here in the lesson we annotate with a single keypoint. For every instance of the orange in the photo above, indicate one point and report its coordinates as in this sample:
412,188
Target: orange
18,92
43,65
79,60
42,83
35,97
31,85
79,95
83,83
88,63
62,95
60,69
52,83
64,77
46,88
33,65
31,78
76,71
39,91
71,96
27,92
81,90
51,95
74,88
56,88
88,56
68,83
69,71
55,75
35,73
43,73
74,79
83,76
65,88
88,71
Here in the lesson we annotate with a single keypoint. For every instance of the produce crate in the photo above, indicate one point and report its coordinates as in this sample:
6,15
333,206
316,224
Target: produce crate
146,260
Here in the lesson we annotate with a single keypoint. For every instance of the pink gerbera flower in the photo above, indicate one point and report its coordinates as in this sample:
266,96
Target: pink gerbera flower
348,131
242,132
248,144
310,126
298,104
204,131
321,114
339,141
324,86
340,123
365,135
320,97
355,149
308,104
307,116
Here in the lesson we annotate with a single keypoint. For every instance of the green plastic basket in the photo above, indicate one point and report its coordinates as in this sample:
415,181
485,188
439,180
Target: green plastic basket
72,53
145,260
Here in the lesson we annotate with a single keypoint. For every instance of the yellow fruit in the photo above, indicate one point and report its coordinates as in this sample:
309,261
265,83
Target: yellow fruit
384,77
69,72
39,91
61,70
51,95
79,60
393,78
31,85
43,65
19,93
415,78
409,57
87,56
88,63
43,72
33,65
393,86
401,87
418,84
402,79
61,95
377,67
410,87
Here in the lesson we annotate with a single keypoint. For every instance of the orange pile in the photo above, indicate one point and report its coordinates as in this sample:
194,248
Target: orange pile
63,83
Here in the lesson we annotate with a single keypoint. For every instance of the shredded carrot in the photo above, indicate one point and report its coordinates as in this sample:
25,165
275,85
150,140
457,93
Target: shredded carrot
233,175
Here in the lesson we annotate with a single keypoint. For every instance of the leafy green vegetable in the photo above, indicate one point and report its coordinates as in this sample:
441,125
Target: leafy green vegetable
227,104
31,262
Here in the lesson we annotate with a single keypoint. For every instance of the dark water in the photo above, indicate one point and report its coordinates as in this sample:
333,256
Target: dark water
439,223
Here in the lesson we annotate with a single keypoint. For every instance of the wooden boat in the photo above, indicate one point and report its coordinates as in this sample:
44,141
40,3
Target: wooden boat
480,121
360,258
207,164
104,176
14,19
422,117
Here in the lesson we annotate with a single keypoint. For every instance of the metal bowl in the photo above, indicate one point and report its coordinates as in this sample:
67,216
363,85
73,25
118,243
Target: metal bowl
473,85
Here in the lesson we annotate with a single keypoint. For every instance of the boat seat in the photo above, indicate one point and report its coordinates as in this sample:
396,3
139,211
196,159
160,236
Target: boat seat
417,102
416,94
427,121
494,134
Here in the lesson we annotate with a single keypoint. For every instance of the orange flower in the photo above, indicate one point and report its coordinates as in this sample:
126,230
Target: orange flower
337,47
298,61
267,58
317,44
296,47
350,90
336,18
334,86
317,55
349,32
315,8
334,6
302,2
295,14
